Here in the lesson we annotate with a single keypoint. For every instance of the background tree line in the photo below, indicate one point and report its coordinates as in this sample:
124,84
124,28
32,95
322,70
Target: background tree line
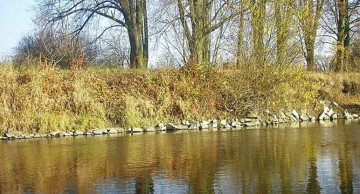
229,33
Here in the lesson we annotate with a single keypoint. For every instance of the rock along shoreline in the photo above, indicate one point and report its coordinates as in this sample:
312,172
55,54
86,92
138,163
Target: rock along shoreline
251,120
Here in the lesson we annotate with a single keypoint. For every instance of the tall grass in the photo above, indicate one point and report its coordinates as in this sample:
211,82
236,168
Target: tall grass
43,99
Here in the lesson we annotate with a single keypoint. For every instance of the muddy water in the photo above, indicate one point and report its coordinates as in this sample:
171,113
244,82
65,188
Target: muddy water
305,158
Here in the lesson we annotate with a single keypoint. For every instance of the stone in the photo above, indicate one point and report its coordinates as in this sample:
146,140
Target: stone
304,117
135,130
347,115
55,134
194,126
44,135
322,116
97,132
160,127
150,129
235,124
171,127
223,123
112,131
355,116
4,138
66,134
247,120
293,118
295,114
334,116
330,113
185,122
254,122
121,130
275,120
87,133
13,134
77,132
326,109
204,125
37,136
312,118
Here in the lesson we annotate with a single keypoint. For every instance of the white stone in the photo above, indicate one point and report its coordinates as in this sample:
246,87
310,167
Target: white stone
295,114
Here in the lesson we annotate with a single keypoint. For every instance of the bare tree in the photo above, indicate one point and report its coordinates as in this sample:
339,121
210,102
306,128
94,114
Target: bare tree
128,14
56,48
308,14
198,19
340,21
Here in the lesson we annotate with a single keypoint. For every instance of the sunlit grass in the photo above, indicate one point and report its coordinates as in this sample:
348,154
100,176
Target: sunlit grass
41,99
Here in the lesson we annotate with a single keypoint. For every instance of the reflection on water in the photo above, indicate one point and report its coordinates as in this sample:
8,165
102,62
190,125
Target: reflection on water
306,157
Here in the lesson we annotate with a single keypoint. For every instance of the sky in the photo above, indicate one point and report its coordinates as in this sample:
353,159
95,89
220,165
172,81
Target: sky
15,22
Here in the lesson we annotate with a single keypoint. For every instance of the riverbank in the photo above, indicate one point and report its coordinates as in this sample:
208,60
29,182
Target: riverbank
42,99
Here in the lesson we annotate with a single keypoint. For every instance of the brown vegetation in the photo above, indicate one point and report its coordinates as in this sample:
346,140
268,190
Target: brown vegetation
43,98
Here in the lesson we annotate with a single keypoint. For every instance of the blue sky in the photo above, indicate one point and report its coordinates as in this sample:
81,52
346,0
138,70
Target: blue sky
15,21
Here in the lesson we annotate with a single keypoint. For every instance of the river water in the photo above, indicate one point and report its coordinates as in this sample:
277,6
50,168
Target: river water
301,158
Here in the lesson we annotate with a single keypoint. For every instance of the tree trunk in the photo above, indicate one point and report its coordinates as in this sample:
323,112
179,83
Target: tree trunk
258,27
310,47
240,36
137,59
136,20
341,35
283,18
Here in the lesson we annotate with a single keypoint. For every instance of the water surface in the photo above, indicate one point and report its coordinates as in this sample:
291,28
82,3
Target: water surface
301,158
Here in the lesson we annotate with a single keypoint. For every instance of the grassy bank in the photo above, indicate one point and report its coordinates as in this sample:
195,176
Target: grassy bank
43,99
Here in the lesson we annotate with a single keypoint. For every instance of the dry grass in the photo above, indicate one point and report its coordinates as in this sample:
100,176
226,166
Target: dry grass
43,99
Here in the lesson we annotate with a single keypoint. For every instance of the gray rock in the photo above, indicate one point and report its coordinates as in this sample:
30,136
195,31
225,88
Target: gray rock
97,132
204,125
248,120
223,123
293,118
87,133
37,136
112,131
330,112
295,114
254,122
13,134
326,109
322,116
185,122
171,127
334,116
77,132
67,134
275,120
235,124
136,130
150,129
44,135
194,126
312,118
160,127
121,130
347,115
55,134
304,117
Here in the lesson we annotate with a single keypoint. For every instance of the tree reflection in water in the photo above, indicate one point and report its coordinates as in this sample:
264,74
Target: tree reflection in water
283,159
